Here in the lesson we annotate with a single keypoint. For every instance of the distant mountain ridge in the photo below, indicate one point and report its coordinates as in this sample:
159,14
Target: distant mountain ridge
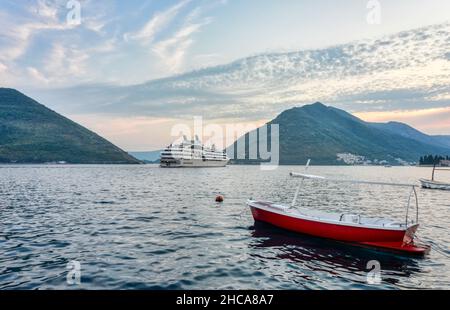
32,133
407,131
442,139
147,156
329,135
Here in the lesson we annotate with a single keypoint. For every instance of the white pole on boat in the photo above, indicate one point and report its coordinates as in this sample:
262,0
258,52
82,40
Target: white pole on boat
298,187
417,205
296,194
407,206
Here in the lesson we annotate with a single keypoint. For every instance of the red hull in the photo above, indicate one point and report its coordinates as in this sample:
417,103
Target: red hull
384,238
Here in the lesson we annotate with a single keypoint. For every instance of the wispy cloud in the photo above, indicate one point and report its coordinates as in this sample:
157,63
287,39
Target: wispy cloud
16,33
3,68
98,47
172,51
35,74
156,23
64,61
408,70
46,9
174,45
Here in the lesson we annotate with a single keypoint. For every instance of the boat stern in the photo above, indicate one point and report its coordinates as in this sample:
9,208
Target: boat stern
408,245
408,238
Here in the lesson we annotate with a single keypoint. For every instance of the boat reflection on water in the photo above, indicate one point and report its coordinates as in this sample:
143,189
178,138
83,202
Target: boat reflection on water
333,257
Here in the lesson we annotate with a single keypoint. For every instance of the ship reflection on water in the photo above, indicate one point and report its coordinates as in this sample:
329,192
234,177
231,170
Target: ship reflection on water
334,258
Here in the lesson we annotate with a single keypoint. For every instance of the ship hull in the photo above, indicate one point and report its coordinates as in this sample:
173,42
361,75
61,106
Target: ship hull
193,163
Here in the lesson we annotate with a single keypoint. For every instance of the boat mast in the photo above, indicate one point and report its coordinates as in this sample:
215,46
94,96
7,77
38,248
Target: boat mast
432,174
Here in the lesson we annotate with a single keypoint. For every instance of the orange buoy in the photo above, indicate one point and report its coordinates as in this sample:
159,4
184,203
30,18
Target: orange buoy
219,198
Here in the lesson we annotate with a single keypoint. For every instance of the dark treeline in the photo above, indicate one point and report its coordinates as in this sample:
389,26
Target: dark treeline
432,160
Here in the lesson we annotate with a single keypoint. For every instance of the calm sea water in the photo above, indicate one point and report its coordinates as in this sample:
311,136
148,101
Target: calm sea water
143,227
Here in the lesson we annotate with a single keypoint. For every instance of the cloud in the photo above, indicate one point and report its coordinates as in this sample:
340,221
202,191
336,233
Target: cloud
98,48
173,50
3,68
408,70
40,48
158,22
6,75
18,31
64,61
95,24
46,9
35,74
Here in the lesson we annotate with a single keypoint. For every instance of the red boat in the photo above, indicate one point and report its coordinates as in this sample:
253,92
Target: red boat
346,227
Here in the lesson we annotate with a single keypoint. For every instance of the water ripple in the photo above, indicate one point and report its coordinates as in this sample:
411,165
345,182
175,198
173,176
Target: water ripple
142,227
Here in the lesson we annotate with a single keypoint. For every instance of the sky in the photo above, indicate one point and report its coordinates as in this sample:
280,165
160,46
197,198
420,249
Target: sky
131,70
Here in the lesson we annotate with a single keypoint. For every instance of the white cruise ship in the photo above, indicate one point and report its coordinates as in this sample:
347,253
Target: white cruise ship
192,153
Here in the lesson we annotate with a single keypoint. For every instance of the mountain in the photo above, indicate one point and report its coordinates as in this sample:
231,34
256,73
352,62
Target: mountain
325,133
443,140
147,156
32,133
407,131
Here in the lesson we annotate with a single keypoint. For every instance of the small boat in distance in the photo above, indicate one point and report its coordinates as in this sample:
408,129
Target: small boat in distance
432,184
345,227
192,153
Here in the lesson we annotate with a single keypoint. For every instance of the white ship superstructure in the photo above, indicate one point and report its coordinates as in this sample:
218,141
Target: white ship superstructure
192,153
